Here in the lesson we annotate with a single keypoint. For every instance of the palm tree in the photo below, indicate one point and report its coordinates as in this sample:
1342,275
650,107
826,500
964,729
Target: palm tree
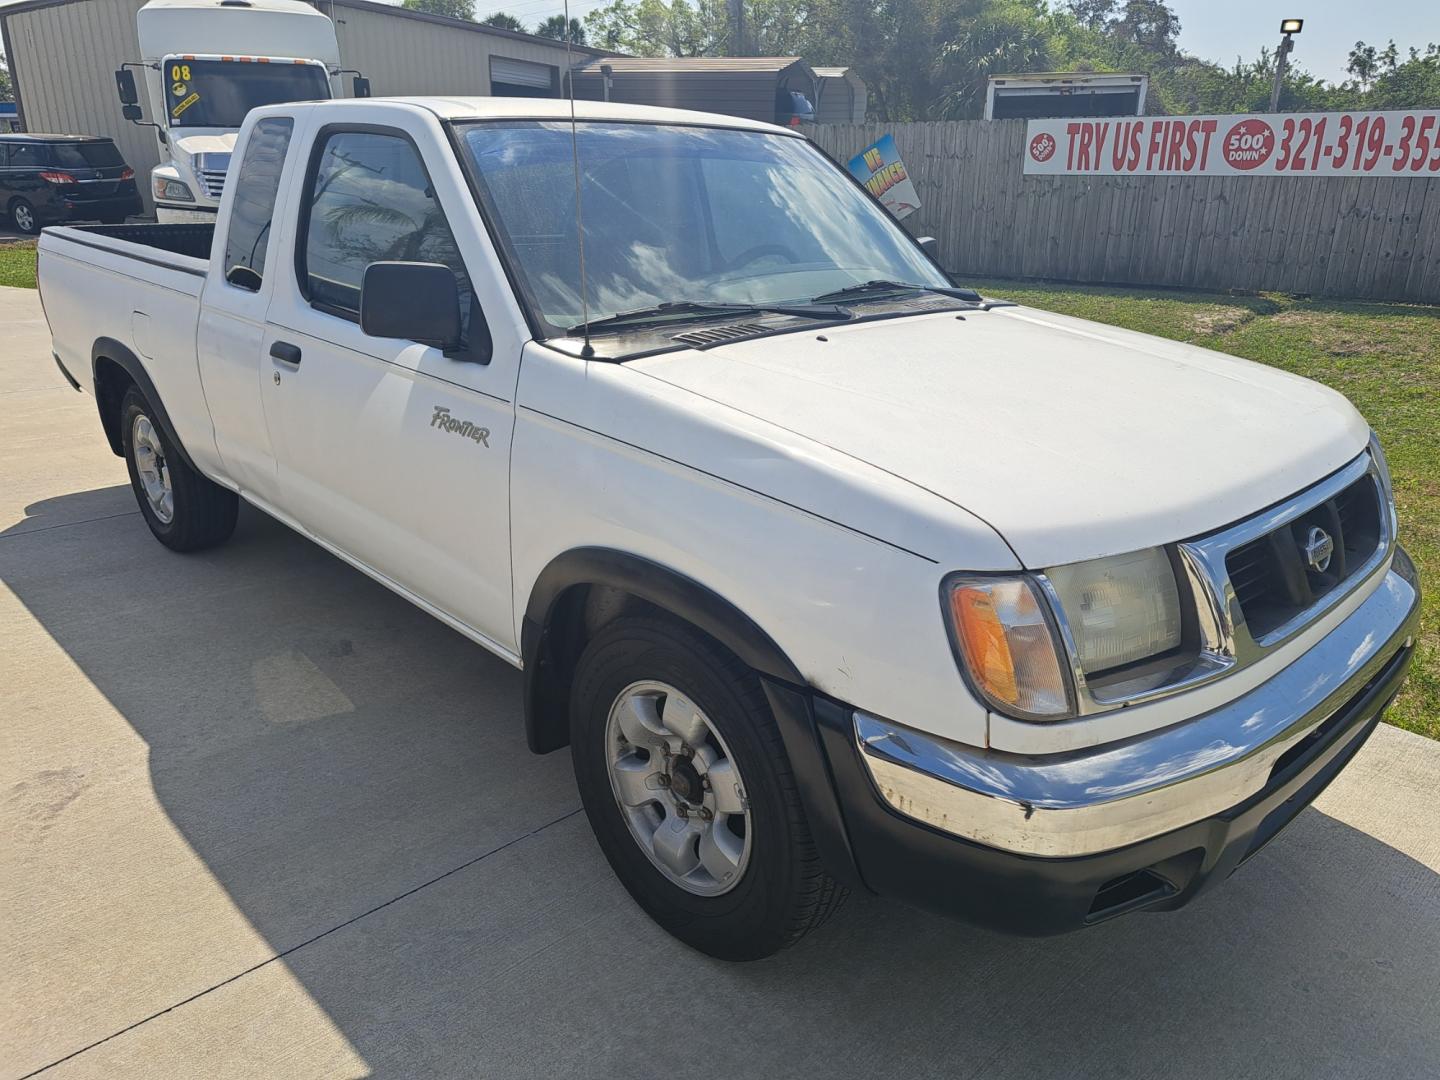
554,27
1006,41
504,21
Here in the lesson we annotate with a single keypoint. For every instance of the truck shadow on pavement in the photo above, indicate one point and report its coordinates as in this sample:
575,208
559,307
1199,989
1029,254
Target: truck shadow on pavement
354,774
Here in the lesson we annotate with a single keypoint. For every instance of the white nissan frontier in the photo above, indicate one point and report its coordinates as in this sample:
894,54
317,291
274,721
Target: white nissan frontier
831,574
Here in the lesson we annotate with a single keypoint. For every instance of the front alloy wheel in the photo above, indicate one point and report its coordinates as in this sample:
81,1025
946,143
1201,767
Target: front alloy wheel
687,785
678,788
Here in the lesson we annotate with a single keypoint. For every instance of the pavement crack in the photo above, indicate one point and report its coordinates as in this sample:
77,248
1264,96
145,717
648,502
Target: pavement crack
67,524
308,941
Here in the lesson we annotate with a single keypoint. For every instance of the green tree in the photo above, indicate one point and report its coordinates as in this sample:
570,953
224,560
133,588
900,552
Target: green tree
7,92
923,59
1003,39
555,27
661,28
454,9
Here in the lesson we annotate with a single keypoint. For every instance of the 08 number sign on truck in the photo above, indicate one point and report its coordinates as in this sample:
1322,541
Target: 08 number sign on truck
830,574
1308,144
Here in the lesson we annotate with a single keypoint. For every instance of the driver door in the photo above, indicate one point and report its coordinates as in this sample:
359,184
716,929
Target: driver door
390,451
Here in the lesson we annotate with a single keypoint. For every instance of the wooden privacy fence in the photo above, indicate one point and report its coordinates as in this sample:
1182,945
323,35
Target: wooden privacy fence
1370,237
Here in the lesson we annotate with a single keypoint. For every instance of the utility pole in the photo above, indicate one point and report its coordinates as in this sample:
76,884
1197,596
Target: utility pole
1288,29
738,45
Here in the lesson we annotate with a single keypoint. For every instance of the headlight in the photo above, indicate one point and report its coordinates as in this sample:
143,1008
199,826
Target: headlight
1008,646
1020,638
1120,609
174,190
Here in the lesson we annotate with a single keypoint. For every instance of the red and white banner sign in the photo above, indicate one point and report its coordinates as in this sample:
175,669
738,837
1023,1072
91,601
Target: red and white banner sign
1399,143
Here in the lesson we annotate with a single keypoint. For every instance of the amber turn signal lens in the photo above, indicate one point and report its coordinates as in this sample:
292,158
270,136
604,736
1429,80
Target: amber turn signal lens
1008,648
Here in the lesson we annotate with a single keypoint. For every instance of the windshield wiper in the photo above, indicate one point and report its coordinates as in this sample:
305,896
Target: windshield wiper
883,287
673,309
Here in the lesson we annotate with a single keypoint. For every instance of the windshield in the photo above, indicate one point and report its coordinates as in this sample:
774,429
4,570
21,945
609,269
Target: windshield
679,214
85,155
218,93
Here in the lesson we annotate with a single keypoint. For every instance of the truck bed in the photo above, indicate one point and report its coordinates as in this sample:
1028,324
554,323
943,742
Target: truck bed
130,291
189,240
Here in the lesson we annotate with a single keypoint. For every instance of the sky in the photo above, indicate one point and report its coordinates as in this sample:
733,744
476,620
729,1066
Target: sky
1218,30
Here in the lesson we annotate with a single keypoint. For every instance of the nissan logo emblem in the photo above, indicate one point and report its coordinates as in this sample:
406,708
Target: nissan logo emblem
1318,549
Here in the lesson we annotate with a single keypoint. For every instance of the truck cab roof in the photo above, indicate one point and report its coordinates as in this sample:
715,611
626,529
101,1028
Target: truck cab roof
518,108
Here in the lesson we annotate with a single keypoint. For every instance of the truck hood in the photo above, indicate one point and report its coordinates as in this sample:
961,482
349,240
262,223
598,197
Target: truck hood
219,143
1072,439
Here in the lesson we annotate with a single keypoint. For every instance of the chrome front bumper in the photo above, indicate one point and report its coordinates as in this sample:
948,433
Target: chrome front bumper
1106,798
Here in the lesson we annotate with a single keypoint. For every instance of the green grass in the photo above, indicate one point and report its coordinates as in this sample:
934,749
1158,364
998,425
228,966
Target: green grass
17,264
1383,357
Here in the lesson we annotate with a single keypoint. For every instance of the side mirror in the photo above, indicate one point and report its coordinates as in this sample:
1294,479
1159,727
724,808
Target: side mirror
419,301
360,87
125,86
930,246
132,113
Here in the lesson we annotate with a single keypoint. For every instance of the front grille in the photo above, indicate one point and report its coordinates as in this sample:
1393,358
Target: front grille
214,181
1280,575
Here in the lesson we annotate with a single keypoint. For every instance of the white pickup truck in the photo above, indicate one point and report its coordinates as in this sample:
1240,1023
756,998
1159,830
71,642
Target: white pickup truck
831,574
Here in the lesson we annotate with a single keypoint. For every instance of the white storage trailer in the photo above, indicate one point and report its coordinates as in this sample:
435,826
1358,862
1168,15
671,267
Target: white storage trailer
1047,94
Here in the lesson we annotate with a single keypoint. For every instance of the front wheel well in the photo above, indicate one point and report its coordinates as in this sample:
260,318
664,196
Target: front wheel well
585,590
577,614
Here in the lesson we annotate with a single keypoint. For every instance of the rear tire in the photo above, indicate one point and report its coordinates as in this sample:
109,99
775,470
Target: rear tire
780,891
24,217
184,510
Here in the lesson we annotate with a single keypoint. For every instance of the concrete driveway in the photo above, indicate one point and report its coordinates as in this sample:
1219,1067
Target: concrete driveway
262,818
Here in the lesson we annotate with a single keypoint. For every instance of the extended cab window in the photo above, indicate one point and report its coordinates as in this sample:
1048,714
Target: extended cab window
371,201
254,203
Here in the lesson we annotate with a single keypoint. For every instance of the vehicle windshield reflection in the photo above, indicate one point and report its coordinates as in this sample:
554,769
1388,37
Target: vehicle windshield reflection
674,213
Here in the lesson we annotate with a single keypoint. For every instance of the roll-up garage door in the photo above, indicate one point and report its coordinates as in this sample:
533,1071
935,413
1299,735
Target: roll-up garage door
520,78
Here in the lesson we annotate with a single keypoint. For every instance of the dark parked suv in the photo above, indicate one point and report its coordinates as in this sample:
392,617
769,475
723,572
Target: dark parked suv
46,179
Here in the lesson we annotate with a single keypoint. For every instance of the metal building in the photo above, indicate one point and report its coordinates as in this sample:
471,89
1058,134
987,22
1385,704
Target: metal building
63,55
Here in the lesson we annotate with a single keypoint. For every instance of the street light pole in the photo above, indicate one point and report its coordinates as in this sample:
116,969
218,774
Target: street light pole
1288,29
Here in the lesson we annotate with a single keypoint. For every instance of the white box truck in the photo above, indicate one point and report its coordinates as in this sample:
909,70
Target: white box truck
207,63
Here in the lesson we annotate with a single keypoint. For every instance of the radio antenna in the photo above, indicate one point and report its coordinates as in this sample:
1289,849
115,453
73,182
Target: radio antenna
586,350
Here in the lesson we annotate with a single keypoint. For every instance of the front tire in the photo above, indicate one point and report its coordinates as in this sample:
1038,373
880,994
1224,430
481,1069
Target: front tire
185,511
687,787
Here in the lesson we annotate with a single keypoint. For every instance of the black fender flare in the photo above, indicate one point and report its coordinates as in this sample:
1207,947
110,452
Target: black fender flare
547,697
119,354
547,722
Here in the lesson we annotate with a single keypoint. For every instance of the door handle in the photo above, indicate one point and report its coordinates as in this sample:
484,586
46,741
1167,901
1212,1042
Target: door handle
283,350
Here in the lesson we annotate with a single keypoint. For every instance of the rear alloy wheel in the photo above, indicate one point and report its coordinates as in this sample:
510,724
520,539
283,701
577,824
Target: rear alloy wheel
152,469
24,217
185,510
687,786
